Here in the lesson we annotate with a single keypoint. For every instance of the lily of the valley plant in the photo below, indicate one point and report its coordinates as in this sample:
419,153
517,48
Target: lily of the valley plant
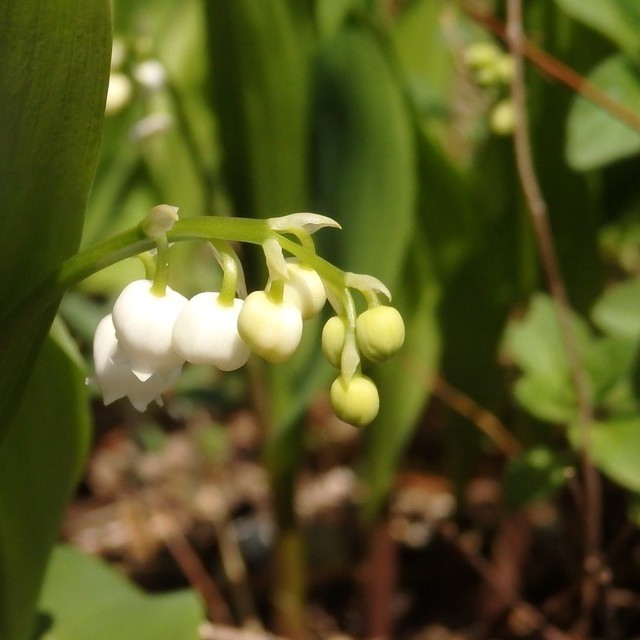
140,348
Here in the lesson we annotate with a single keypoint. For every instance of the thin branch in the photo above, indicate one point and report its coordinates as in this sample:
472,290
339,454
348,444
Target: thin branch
191,566
236,573
537,209
502,589
467,407
561,72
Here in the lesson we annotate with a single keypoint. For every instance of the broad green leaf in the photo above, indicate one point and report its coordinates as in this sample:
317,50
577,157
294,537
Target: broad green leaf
611,362
594,137
53,80
616,19
260,95
615,447
365,171
546,399
617,311
40,461
535,475
536,345
84,598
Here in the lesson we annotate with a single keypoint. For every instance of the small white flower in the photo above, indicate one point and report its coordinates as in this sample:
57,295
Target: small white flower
206,332
304,288
150,74
114,376
144,322
272,329
119,92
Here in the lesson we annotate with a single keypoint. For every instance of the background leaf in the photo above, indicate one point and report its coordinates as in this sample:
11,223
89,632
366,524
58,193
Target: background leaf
82,595
594,137
616,19
40,462
615,446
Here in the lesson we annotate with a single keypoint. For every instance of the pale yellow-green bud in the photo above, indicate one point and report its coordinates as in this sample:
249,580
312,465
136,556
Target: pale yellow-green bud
503,117
379,333
481,54
333,335
505,66
356,401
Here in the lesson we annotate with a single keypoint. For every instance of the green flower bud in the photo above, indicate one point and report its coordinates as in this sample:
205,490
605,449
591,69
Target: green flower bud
502,117
379,333
357,401
333,334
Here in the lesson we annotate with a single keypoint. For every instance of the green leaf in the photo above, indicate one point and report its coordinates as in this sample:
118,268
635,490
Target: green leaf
615,447
260,95
84,598
617,311
615,19
536,346
53,81
40,462
535,475
365,172
594,137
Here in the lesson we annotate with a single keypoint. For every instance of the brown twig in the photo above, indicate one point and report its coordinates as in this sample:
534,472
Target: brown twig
191,566
467,407
561,72
236,573
502,589
537,209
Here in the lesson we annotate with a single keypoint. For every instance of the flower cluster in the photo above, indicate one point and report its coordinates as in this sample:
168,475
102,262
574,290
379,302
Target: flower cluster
493,69
140,348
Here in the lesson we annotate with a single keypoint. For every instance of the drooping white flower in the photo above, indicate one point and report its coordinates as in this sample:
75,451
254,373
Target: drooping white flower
304,288
114,376
206,332
271,329
144,323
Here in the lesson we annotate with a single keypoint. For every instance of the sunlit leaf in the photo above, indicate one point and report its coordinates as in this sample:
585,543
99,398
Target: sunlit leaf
83,597
594,137
615,447
617,312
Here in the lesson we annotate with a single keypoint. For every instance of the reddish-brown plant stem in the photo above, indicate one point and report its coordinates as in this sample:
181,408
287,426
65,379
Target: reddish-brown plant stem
537,209
561,72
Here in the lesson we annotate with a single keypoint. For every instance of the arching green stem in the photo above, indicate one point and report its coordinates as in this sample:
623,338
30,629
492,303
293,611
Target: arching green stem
228,261
135,241
161,278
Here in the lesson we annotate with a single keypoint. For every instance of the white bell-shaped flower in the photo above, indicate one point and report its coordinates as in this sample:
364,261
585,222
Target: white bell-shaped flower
272,329
114,376
144,324
304,288
206,332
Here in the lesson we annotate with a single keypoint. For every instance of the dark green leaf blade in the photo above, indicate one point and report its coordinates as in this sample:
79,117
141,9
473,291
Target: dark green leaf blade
53,81
40,461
